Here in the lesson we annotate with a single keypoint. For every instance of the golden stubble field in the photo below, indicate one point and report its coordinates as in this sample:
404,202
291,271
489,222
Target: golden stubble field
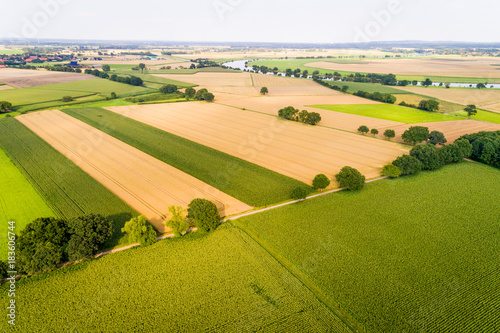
451,129
292,149
487,99
148,185
287,86
239,84
22,78
344,121
454,67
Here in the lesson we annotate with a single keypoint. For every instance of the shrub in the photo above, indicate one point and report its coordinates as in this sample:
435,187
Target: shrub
391,171
200,93
320,182
139,230
190,93
350,179
66,99
204,214
177,222
408,165
289,113
299,193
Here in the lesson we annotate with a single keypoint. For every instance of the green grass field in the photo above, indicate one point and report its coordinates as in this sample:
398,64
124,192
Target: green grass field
19,201
248,182
415,254
389,112
300,63
35,98
483,115
67,189
223,282
368,87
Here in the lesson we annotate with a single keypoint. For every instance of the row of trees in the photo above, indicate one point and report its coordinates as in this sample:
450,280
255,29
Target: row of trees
428,157
388,133
47,242
304,116
132,80
485,147
376,96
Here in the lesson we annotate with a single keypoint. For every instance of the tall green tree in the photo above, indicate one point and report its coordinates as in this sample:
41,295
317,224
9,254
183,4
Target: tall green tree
429,155
408,165
415,134
471,110
350,179
5,106
320,182
139,230
177,221
389,134
142,66
363,129
190,93
89,233
264,91
437,138
204,214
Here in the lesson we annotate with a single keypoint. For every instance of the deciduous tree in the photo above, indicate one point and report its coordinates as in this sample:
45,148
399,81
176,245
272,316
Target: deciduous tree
139,230
204,214
350,179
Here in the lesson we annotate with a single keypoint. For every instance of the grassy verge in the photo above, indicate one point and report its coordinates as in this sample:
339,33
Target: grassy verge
410,254
248,182
19,201
389,112
67,189
233,286
483,115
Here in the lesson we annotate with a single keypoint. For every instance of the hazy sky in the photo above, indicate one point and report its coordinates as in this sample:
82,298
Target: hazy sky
316,21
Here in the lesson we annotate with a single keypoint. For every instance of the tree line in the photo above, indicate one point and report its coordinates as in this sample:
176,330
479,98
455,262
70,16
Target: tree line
304,116
485,147
48,242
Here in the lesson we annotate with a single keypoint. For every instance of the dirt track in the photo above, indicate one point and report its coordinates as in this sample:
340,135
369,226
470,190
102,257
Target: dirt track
145,183
295,150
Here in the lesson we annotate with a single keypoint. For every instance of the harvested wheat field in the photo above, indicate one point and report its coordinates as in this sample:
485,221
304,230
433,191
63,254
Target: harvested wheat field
483,98
22,78
339,120
454,67
145,183
292,149
227,83
286,86
452,130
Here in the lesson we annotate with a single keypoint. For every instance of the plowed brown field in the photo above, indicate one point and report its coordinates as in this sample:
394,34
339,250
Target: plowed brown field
22,78
145,183
295,150
339,120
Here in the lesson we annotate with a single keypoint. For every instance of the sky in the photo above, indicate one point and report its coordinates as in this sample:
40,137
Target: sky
290,21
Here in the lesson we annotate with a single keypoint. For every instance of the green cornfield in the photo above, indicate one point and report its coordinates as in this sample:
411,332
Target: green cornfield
414,254
222,282
67,189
